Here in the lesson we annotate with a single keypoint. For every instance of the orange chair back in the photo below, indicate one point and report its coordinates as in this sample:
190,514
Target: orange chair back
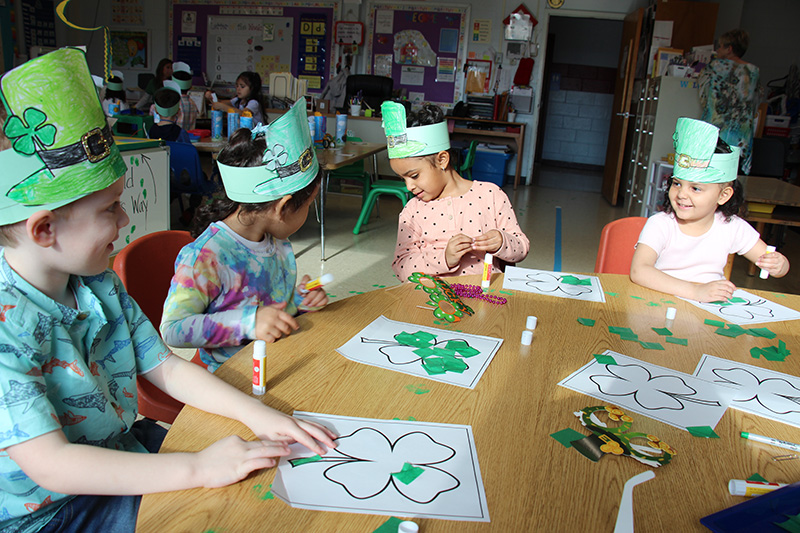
617,242
146,267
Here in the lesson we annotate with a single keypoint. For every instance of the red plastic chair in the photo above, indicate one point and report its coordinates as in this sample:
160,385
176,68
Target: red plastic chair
617,243
146,267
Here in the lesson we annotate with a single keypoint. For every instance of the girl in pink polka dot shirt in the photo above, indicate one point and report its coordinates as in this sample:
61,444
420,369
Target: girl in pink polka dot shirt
451,223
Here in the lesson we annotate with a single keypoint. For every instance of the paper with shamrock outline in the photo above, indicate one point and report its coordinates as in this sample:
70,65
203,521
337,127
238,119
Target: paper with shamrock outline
678,399
559,284
356,477
745,308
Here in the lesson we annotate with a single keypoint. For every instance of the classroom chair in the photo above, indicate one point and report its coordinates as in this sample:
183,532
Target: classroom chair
145,267
466,166
186,173
617,242
354,172
393,187
143,123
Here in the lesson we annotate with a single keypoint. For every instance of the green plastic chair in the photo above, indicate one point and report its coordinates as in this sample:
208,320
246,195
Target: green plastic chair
143,124
466,167
354,172
394,187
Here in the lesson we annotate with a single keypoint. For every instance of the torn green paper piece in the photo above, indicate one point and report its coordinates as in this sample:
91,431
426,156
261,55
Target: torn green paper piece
457,345
771,353
676,340
421,339
716,323
604,359
408,474
757,477
586,322
572,280
636,297
737,300
614,294
702,431
792,524
444,352
729,332
305,460
433,366
567,436
451,364
629,336
424,352
390,526
619,330
653,304
506,292
417,389
662,331
762,332
651,345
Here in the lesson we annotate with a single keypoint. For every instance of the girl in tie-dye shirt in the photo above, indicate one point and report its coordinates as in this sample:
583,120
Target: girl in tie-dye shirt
236,281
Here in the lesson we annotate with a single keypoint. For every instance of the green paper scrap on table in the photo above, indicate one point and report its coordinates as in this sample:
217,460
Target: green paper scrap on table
792,524
306,460
619,330
604,359
506,292
653,304
636,297
757,477
762,332
614,294
629,336
409,418
730,331
258,490
390,526
651,345
586,322
463,348
567,436
408,474
676,340
716,323
771,353
702,431
417,389
667,301
662,331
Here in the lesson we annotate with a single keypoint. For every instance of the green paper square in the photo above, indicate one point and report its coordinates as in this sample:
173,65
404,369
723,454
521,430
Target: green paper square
629,336
717,323
737,300
662,331
604,359
586,322
305,460
444,352
451,364
424,352
619,330
755,353
702,431
567,436
792,524
456,345
651,345
762,332
408,474
390,526
733,333
757,477
676,340
469,351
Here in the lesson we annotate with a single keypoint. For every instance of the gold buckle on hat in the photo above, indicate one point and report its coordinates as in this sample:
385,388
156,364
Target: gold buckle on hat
306,159
95,145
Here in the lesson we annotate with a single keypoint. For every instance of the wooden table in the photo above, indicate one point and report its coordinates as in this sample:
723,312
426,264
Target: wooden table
532,482
496,131
784,196
206,144
333,159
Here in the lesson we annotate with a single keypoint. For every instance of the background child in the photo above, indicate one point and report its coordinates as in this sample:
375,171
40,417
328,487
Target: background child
235,282
248,96
74,341
168,103
114,99
683,250
452,222
182,75
163,72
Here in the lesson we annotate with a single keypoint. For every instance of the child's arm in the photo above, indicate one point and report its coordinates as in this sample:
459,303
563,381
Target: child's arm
312,300
644,273
507,242
774,262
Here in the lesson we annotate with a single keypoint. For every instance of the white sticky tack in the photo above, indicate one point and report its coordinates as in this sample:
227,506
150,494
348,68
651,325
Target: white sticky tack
531,322
407,526
527,337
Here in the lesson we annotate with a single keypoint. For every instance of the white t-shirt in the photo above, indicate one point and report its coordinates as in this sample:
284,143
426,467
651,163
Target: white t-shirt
699,259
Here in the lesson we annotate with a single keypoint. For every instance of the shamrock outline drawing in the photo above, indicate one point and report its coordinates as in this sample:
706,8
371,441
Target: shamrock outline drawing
29,130
555,284
762,397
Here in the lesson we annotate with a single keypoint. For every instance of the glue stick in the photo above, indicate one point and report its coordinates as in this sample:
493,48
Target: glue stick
764,274
745,487
259,368
486,278
319,282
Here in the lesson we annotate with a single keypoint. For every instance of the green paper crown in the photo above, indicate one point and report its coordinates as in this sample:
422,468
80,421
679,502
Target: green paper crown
180,66
695,160
290,162
402,141
62,148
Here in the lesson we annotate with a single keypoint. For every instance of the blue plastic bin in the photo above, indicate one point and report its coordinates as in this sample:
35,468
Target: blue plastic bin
490,165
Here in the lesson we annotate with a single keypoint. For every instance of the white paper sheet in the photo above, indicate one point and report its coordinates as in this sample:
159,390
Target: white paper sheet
552,284
375,345
356,477
672,397
758,391
746,308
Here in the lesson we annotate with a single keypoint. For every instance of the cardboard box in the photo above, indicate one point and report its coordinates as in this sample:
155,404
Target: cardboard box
777,121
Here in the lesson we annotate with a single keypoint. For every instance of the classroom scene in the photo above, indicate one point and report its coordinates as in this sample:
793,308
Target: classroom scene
418,266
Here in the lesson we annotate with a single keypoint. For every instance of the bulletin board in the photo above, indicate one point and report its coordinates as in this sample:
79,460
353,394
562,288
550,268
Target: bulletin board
422,47
223,40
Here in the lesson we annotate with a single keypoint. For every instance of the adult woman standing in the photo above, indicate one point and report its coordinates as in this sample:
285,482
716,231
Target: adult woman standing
163,72
730,93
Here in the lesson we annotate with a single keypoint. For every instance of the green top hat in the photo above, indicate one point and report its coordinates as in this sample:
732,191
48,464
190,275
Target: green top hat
695,160
290,161
62,148
402,141
180,66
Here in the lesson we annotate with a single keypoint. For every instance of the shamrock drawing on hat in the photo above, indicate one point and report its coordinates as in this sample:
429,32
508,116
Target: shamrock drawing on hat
30,130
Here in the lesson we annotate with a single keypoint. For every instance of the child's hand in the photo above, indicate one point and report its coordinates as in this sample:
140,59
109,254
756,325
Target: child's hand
209,96
491,241
775,263
314,300
272,322
457,246
231,459
278,427
714,291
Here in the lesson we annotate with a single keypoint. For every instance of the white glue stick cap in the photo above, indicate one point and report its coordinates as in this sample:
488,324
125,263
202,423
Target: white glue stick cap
407,526
326,278
530,323
671,312
764,274
527,337
259,348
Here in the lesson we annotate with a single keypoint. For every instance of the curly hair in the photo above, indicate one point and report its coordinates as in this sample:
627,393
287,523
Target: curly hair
429,114
244,151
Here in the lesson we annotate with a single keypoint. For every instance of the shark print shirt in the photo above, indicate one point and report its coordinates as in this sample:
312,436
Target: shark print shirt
72,370
221,279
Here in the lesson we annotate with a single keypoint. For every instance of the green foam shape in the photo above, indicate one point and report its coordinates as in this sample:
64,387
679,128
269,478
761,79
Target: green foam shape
705,432
604,359
676,340
567,436
651,345
586,322
716,323
662,331
408,474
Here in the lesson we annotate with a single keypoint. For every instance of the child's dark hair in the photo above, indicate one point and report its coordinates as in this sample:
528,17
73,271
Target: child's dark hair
253,80
110,93
244,151
429,114
166,98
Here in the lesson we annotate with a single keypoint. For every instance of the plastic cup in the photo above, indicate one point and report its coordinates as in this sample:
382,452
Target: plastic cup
355,110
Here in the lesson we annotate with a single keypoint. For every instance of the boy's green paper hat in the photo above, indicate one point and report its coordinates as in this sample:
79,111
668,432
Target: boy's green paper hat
695,160
290,161
180,66
62,147
416,141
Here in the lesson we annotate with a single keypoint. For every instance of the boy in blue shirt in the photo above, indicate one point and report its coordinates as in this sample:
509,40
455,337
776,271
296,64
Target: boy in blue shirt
71,339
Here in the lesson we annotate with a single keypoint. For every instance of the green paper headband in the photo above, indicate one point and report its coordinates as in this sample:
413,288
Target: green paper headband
169,85
695,160
116,85
62,148
403,142
290,162
180,66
